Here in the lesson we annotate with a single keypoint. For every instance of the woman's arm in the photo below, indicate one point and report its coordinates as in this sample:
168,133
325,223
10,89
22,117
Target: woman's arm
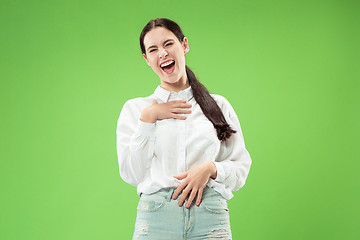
135,141
136,135
234,161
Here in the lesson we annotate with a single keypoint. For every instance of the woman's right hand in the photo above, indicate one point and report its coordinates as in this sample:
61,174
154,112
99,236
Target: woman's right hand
159,111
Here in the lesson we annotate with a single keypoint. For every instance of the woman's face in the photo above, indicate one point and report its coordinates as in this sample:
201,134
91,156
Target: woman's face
162,46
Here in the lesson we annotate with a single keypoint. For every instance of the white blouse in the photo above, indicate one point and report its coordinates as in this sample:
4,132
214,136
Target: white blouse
150,154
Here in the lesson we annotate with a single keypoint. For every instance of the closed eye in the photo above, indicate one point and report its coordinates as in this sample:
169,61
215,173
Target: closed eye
165,45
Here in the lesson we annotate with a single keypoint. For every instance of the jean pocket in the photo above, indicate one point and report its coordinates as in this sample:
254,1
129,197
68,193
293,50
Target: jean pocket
215,205
150,205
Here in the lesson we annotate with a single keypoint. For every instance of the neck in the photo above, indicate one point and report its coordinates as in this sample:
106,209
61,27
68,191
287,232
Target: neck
175,87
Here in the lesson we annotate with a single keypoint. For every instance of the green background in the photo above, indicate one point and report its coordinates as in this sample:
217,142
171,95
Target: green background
290,69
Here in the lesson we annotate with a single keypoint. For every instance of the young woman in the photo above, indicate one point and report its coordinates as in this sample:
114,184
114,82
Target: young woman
181,146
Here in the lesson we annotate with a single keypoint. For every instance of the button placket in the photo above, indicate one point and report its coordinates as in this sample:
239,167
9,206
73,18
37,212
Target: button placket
181,137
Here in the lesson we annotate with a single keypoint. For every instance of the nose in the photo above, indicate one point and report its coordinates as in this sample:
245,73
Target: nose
163,53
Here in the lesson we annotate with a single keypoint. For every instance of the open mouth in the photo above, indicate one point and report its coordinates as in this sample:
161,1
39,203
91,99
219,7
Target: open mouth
169,68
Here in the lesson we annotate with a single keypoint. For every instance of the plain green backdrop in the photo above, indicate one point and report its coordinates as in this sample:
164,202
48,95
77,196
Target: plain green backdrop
290,69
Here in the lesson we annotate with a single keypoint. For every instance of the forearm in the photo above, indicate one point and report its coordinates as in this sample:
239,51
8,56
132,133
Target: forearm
233,170
135,146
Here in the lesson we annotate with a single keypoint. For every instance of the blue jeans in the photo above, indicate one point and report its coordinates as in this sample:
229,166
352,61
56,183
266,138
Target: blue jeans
159,217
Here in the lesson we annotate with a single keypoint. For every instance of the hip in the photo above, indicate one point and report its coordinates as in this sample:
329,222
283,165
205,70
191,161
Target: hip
160,215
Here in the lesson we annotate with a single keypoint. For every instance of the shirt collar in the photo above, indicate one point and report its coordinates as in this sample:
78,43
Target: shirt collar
164,94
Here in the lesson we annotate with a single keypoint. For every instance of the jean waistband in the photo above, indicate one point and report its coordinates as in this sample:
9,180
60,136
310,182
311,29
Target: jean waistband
168,192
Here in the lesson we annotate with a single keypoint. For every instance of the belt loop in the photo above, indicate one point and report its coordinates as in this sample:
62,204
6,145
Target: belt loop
170,193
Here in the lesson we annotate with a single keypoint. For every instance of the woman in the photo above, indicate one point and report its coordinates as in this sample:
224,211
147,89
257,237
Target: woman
181,146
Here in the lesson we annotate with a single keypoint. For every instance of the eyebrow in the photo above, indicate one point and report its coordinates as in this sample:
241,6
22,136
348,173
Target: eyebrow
163,43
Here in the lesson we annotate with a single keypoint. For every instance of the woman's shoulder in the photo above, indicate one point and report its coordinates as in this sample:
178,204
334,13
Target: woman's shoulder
224,104
220,100
138,102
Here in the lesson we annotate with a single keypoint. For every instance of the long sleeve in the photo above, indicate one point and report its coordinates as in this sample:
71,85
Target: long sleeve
135,141
233,163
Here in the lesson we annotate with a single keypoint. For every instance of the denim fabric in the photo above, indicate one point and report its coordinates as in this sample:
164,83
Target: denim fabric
159,217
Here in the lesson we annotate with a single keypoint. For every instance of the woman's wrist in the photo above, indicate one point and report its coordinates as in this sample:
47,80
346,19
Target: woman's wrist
213,171
147,116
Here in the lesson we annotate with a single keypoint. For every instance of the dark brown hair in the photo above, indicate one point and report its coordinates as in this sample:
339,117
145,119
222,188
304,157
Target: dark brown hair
202,96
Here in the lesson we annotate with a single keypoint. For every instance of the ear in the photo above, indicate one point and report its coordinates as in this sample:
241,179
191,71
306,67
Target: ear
146,59
185,44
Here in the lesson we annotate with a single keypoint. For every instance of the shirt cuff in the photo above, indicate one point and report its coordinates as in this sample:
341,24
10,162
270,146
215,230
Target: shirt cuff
220,172
145,128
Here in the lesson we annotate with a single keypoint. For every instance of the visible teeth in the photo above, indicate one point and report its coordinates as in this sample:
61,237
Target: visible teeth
166,64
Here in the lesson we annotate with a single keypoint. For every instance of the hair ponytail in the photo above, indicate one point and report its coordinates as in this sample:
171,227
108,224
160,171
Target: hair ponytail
209,107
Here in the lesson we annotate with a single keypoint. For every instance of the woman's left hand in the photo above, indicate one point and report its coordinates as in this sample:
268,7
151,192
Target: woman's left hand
194,182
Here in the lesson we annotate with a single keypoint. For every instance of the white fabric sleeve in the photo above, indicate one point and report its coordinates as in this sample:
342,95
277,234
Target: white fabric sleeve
135,141
233,163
